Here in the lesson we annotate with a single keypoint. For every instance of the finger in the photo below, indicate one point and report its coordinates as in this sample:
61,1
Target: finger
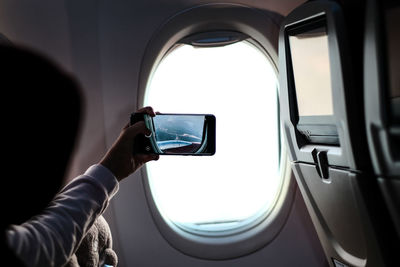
149,110
137,128
126,126
143,158
154,157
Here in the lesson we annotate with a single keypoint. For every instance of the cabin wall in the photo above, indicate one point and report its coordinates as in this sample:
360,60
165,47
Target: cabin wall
102,44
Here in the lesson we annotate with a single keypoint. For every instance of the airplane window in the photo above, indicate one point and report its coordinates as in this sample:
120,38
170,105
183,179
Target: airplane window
240,183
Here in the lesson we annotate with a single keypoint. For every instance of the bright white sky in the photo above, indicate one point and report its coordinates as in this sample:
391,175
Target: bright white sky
238,85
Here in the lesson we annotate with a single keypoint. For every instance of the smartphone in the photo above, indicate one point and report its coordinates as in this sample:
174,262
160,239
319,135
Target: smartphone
176,134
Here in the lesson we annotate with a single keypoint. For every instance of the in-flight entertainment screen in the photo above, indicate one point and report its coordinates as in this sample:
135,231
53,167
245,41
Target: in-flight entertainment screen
311,70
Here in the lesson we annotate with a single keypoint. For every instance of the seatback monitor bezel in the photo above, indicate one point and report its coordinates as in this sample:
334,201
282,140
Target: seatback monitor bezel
317,129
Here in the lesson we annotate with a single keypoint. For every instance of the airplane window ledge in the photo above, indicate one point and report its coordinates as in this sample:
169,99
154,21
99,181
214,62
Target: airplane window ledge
228,246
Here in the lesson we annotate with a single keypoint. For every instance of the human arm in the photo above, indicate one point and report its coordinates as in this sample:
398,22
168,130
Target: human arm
51,238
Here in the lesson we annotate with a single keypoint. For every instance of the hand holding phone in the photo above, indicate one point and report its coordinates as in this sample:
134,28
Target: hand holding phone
119,158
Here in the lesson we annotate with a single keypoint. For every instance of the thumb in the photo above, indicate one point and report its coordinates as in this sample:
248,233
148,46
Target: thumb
141,159
135,129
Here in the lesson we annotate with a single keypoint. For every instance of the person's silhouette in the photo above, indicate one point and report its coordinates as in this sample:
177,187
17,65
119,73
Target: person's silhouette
40,115
41,111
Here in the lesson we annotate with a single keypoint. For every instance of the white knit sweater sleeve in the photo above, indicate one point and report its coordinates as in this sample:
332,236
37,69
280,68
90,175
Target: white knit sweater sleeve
52,237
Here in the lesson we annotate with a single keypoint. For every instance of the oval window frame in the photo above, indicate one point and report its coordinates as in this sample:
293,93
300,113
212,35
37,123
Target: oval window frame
263,28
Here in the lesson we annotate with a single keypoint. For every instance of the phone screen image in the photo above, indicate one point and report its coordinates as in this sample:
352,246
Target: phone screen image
181,134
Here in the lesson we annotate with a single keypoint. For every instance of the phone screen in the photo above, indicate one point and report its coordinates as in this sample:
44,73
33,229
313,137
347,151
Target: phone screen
180,134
